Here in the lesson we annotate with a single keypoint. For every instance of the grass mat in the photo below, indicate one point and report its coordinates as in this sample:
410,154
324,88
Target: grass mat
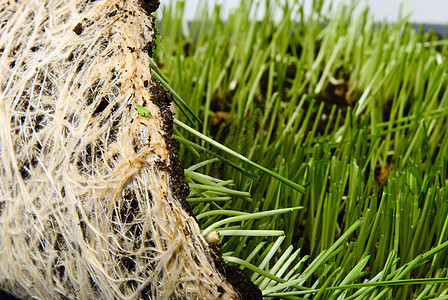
353,110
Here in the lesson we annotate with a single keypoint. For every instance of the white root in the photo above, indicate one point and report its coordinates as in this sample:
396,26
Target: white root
90,205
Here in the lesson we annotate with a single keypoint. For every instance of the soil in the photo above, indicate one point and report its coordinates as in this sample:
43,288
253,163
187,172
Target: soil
334,94
163,99
4,295
149,6
245,288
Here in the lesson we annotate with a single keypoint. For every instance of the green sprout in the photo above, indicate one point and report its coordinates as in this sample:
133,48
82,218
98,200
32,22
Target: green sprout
142,110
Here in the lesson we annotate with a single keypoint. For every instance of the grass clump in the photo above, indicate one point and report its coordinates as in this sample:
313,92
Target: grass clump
352,110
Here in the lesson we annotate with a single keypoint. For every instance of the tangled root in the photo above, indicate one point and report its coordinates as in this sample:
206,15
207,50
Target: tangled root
92,194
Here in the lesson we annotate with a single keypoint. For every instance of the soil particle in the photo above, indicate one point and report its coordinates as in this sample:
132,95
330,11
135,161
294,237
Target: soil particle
151,45
219,117
381,175
78,29
70,57
149,6
101,106
7,296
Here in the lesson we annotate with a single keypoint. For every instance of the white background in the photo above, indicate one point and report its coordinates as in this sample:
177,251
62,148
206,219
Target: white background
422,11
